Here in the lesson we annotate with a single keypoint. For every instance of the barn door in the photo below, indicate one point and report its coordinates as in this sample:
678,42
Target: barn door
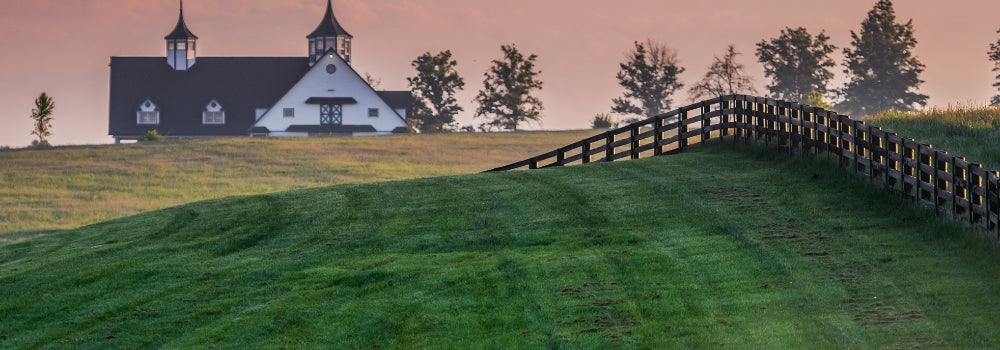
331,114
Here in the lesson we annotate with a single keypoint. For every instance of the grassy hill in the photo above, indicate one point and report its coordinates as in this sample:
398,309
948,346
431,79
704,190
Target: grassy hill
48,190
971,132
723,246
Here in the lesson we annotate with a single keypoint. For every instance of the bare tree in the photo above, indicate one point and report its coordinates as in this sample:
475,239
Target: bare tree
724,77
373,81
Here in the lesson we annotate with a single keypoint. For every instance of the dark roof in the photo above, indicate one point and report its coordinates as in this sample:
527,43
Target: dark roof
240,84
398,99
331,101
335,129
181,31
329,26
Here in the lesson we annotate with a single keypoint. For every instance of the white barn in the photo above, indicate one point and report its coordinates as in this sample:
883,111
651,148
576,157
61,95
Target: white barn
183,95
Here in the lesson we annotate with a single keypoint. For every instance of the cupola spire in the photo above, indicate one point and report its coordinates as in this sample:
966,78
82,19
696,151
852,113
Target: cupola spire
329,35
181,44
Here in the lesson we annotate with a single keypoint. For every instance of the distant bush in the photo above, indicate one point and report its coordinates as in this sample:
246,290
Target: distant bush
151,136
603,121
40,145
5,148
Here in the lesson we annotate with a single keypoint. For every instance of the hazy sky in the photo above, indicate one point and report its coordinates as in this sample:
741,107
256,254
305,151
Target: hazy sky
63,47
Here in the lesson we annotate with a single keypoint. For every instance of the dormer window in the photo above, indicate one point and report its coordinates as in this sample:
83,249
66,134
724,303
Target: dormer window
147,114
213,113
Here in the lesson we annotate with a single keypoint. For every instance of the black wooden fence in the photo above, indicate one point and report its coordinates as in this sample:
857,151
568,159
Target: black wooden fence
918,172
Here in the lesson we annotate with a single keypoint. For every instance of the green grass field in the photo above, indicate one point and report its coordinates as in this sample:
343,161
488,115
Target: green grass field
43,191
724,246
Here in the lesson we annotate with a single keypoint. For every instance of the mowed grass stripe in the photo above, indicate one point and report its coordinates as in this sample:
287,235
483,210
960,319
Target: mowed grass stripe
722,246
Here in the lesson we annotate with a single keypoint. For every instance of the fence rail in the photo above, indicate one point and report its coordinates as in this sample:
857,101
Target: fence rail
915,171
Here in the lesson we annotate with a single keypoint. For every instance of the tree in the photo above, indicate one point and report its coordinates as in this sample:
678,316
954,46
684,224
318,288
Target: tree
434,88
506,100
649,78
797,63
882,72
724,77
994,55
42,114
373,81
815,99
603,121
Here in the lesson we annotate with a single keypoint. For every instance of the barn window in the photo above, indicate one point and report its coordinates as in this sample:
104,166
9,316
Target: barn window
373,112
289,112
213,113
147,113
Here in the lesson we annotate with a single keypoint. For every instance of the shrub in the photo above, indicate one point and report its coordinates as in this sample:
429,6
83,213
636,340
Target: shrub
603,121
40,145
151,136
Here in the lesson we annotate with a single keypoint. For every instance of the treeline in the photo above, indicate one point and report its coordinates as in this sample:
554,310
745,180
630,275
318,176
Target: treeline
881,70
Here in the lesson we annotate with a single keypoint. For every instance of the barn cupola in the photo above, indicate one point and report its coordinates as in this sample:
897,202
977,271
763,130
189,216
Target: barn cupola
329,35
181,45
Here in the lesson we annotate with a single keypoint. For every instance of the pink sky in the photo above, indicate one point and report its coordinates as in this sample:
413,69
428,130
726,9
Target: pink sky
63,46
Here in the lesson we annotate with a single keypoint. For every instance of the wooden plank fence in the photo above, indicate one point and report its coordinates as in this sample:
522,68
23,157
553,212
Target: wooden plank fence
935,179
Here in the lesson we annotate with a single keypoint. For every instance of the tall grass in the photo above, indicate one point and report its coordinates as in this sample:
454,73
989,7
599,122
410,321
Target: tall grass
968,131
46,190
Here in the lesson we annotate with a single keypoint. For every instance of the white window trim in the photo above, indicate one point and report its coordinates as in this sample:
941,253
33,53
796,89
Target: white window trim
152,108
209,109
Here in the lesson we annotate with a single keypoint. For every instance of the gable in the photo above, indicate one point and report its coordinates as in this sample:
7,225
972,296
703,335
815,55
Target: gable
331,81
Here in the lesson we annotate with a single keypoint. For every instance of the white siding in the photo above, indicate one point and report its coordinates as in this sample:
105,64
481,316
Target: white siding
344,82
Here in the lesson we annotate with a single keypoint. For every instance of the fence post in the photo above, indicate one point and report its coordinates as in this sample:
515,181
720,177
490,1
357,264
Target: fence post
609,152
819,137
935,180
994,200
705,107
682,129
839,140
907,156
780,111
924,176
634,141
657,135
744,122
561,157
586,152
760,122
533,164
724,118
972,182
797,138
768,122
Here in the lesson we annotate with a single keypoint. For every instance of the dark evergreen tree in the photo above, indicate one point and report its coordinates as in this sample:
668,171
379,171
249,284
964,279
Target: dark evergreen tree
994,55
434,88
506,99
882,72
649,78
797,63
724,77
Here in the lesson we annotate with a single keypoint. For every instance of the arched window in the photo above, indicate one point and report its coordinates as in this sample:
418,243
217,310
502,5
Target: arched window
147,113
213,113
